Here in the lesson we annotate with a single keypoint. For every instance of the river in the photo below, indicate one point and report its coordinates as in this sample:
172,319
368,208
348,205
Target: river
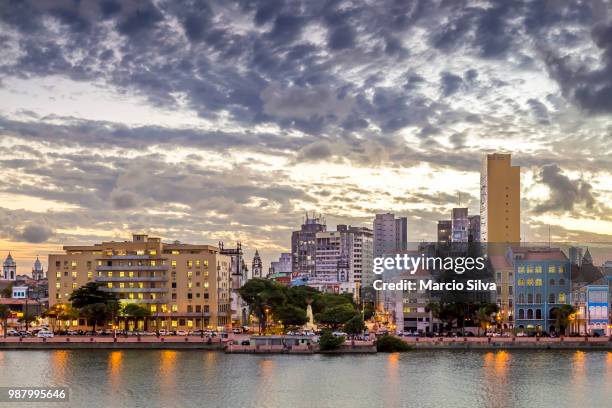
135,378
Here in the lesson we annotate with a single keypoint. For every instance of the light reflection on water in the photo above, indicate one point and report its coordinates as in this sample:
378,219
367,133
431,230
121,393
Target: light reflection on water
170,378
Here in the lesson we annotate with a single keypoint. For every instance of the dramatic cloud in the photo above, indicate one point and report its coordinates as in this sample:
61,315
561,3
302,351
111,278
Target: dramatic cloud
206,120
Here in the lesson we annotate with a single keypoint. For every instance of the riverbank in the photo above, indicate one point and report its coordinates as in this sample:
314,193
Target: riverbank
197,343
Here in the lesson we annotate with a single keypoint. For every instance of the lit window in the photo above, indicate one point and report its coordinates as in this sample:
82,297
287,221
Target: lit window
140,285
529,282
206,285
131,284
164,308
189,264
521,282
197,262
174,323
58,274
174,308
153,296
74,274
538,269
173,263
122,285
99,263
89,274
74,285
153,263
189,323
530,269
121,274
189,274
154,308
153,252
110,274
131,274
140,296
175,252
131,296
521,269
189,285
561,297
561,269
109,284
57,285
73,263
205,263
551,269
538,282
140,252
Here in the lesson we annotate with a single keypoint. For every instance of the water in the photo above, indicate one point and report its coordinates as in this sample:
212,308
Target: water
135,378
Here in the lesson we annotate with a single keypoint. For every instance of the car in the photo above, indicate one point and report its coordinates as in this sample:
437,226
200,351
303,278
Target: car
181,333
163,332
339,334
521,334
44,334
237,331
12,332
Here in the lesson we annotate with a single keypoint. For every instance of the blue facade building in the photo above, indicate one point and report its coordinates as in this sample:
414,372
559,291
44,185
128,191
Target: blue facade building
542,281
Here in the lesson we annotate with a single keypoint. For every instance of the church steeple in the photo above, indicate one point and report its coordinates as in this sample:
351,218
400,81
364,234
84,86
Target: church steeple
37,270
587,258
9,268
257,266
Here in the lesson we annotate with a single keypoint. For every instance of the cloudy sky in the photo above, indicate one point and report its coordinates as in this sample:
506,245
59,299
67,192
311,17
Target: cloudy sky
220,120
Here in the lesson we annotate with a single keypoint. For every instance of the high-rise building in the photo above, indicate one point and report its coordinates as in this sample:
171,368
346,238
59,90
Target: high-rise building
460,225
37,270
500,200
283,265
575,255
474,229
390,234
184,286
9,268
444,231
257,266
239,276
303,245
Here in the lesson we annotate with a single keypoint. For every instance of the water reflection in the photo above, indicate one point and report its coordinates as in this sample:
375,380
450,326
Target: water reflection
140,378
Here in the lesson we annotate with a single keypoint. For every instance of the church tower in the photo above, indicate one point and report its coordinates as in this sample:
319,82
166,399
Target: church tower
37,270
257,267
9,268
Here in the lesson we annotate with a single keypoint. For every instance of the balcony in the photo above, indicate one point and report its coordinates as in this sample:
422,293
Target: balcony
145,301
133,268
132,279
119,257
134,290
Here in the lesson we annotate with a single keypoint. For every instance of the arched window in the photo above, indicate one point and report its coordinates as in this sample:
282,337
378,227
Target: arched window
521,314
538,298
561,282
521,298
530,298
551,282
538,313
551,298
529,313
561,297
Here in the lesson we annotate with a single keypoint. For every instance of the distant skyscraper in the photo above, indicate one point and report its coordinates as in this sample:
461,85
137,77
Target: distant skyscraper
460,225
390,234
500,200
9,268
474,231
257,267
444,231
575,255
37,270
283,265
303,245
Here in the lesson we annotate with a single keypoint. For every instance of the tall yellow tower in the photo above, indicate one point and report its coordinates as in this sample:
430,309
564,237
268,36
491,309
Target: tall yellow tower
500,200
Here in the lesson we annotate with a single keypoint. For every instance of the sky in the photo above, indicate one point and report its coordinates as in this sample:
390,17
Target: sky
204,121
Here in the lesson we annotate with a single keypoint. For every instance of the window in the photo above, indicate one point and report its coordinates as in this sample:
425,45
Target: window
189,296
551,298
89,274
175,252
173,263
58,285
521,269
58,264
561,282
73,264
538,314
74,274
521,298
551,282
173,285
153,263
121,274
88,264
538,282
521,282
74,285
58,274
510,290
152,252
538,298
189,264
197,262
538,269
530,269
551,269
189,274
189,284
131,274
529,282
154,308
530,298
109,284
561,297
122,285
205,285
521,314
529,313
110,274
174,308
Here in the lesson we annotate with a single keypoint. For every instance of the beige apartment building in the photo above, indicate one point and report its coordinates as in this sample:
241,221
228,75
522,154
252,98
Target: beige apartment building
185,286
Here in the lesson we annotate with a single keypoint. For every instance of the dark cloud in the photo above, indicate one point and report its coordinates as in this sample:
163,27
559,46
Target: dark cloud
34,234
450,83
565,194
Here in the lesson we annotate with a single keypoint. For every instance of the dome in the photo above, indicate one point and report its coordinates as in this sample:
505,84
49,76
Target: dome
9,261
37,265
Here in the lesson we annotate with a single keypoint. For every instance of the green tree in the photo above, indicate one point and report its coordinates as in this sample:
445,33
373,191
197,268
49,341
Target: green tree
90,294
291,316
27,319
336,316
391,344
5,314
562,317
355,325
135,312
96,314
263,297
328,341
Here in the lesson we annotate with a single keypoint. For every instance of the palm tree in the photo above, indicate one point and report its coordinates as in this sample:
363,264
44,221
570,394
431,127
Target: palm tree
5,313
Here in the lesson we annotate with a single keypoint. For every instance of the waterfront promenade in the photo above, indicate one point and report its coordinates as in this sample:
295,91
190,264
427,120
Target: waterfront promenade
194,342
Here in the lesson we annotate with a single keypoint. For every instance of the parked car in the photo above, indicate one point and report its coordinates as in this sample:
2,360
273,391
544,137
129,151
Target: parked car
12,332
521,334
339,334
181,333
45,334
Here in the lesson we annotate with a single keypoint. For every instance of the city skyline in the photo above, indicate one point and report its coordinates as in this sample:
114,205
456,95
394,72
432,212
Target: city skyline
229,122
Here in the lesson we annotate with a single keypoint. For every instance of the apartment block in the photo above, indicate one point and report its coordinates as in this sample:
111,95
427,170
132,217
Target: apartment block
185,286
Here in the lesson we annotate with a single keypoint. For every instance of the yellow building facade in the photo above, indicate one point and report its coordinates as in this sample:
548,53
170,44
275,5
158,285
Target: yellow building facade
184,286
